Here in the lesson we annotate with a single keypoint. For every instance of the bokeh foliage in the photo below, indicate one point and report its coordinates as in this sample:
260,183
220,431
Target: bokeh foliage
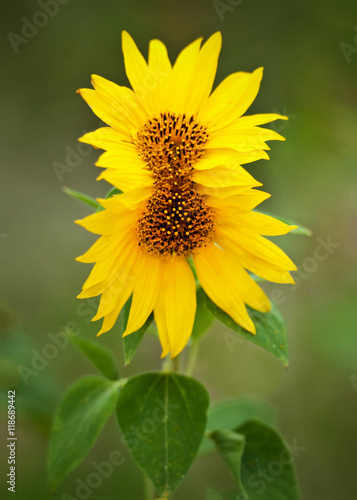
311,177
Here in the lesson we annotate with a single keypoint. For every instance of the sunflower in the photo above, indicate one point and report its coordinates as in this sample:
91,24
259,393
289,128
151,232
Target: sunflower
175,150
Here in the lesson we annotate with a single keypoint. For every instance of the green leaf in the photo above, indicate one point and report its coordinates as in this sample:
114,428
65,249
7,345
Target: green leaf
267,470
259,461
84,198
99,355
230,445
271,329
163,418
204,318
299,230
226,415
132,341
82,413
111,193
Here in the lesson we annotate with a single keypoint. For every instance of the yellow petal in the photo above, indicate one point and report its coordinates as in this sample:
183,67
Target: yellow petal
127,180
253,262
160,66
204,73
106,271
100,250
106,138
243,139
221,283
231,99
229,158
254,222
221,177
235,199
133,200
106,112
121,100
128,154
126,173
120,286
161,323
182,75
145,294
256,253
110,221
142,79
261,119
180,303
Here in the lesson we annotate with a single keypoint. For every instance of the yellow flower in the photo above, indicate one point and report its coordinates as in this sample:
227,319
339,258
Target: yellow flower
175,151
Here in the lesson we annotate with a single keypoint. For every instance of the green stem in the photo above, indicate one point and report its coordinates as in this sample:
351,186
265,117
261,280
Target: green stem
149,490
192,357
176,364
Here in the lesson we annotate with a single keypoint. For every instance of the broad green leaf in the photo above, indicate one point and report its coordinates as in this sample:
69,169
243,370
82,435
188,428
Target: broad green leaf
270,327
267,471
99,355
163,418
230,445
204,318
111,193
132,341
227,415
299,230
82,413
84,198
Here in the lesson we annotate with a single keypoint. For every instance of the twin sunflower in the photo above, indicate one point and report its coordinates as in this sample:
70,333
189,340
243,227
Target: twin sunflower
176,151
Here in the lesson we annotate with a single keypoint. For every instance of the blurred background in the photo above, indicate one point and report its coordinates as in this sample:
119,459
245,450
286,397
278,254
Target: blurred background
309,52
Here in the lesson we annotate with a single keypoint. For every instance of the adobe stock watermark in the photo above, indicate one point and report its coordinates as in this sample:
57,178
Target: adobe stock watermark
223,6
134,436
73,158
59,341
347,49
260,480
324,249
30,28
353,380
117,282
280,125
129,105
100,471
40,359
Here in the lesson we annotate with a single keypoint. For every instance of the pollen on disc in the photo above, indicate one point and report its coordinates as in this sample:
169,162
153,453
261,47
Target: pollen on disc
170,145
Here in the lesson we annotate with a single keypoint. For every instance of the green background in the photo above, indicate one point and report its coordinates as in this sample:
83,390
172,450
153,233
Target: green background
312,178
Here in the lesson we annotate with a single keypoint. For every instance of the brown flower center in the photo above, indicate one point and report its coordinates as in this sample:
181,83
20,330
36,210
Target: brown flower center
176,219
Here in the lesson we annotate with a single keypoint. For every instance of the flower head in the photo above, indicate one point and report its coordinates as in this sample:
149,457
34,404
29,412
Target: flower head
176,151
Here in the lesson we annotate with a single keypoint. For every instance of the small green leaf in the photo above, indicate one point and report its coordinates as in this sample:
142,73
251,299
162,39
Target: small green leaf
271,329
132,341
84,198
226,415
299,230
99,355
204,318
163,419
82,413
111,193
230,445
267,470
259,461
